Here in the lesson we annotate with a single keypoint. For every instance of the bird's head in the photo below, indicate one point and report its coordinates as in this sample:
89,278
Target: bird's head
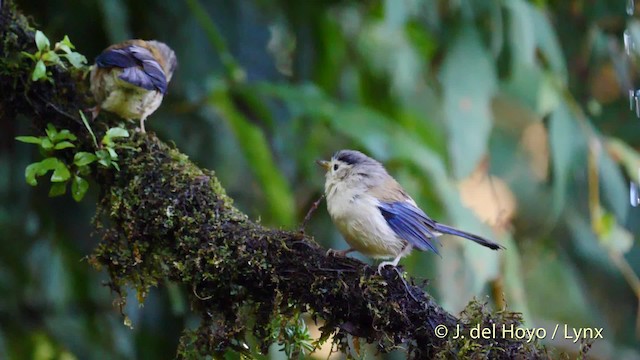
351,167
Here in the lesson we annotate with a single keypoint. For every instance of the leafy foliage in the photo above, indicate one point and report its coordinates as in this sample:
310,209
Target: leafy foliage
45,56
76,171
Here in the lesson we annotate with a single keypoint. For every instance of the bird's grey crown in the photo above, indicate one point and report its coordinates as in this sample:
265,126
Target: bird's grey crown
353,157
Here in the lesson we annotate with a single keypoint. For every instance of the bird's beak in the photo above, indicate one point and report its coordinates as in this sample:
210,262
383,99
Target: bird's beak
325,164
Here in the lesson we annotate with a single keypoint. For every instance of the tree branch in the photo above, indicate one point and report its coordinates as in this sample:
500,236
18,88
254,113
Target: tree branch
163,218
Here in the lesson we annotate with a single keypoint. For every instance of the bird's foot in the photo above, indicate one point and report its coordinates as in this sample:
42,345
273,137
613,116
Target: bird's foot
338,253
386,263
95,111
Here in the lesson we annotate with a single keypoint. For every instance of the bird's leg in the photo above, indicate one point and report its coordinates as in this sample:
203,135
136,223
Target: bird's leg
142,130
404,252
339,253
95,111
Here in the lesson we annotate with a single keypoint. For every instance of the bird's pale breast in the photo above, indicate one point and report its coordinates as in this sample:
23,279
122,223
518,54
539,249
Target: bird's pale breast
122,98
359,220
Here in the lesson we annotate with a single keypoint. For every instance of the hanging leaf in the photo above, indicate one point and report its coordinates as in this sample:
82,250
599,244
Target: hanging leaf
79,188
614,188
29,139
563,143
58,189
42,42
522,32
469,82
259,155
40,71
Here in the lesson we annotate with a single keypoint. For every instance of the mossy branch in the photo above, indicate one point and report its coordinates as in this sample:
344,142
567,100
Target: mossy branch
161,218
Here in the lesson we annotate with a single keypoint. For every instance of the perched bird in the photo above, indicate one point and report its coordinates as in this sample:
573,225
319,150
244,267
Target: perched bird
131,78
374,213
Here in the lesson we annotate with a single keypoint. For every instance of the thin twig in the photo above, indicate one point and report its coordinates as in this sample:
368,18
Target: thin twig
200,297
313,208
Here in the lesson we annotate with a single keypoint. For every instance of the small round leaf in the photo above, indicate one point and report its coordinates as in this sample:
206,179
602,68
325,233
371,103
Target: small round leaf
79,187
42,42
83,158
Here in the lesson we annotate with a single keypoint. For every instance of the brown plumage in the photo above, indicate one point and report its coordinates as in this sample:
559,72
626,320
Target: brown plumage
131,78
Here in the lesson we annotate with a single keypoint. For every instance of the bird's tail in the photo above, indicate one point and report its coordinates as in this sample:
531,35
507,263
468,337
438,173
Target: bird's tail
445,229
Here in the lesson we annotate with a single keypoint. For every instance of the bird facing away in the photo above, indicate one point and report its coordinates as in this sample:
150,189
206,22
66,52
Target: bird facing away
374,213
131,78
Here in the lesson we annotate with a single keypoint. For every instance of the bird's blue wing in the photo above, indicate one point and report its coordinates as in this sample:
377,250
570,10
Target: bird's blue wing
150,66
139,66
116,58
411,224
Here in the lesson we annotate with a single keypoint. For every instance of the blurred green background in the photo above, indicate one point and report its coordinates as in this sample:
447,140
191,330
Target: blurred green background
507,118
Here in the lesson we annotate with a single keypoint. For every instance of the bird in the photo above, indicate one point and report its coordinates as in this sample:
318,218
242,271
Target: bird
130,78
375,215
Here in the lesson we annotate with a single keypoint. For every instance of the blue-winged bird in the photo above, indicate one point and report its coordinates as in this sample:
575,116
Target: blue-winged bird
130,78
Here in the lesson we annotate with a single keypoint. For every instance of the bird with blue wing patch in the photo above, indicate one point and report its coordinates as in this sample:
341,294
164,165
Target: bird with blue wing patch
130,79
375,214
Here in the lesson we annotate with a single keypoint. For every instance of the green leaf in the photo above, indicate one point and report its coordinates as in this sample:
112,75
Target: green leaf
60,172
467,102
548,45
102,154
47,164
563,141
115,132
115,165
65,41
65,45
30,173
46,144
614,187
83,158
42,42
76,60
40,71
29,139
51,57
84,170
30,56
64,134
51,131
112,153
86,124
104,158
57,189
66,49
39,169
79,188
256,150
522,32
63,145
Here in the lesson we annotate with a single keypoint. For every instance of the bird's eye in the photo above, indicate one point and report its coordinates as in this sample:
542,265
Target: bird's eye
335,167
